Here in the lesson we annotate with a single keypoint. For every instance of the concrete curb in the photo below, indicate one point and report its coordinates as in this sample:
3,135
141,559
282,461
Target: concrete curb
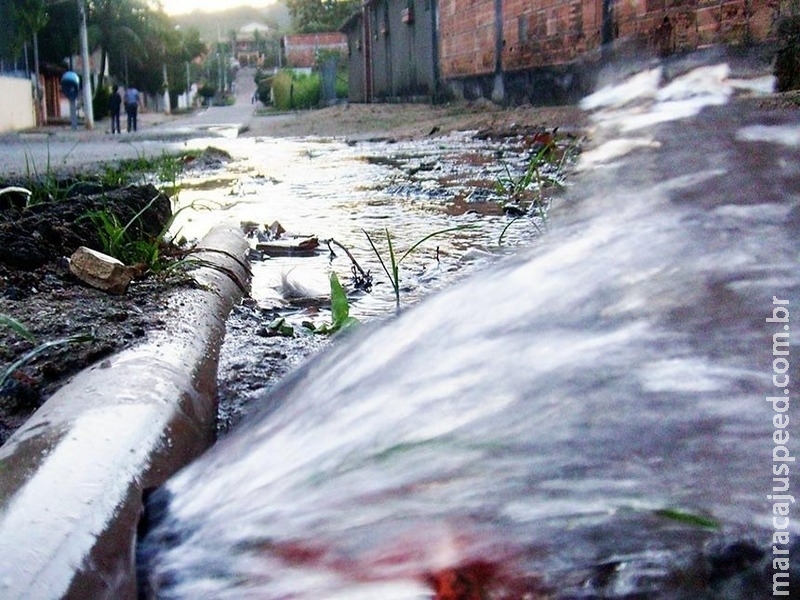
72,478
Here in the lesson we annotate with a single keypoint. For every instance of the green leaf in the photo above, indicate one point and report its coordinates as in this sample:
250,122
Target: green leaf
348,324
17,327
38,350
340,307
281,327
682,516
340,310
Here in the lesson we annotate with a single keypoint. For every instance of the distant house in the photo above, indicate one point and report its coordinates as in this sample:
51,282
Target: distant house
301,50
250,43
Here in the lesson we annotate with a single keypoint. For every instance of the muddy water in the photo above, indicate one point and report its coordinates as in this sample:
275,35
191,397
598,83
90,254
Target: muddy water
587,421
334,190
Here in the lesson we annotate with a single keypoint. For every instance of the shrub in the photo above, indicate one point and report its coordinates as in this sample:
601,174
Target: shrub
296,90
264,90
206,92
343,84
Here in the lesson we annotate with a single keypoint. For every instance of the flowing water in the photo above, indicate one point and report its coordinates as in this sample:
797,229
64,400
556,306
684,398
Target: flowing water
335,190
585,420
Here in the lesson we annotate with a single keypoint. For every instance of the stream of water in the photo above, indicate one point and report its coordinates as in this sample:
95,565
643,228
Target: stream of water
331,189
584,420
334,190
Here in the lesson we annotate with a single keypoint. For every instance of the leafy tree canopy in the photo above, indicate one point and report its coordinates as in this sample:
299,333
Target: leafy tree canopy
315,16
135,40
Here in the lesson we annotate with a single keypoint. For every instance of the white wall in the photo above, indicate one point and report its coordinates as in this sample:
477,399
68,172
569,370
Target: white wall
17,109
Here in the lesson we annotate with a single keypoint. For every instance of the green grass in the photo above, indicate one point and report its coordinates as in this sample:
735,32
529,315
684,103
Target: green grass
391,266
293,91
545,171
22,331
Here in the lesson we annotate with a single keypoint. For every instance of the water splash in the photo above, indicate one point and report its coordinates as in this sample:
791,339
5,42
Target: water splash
585,421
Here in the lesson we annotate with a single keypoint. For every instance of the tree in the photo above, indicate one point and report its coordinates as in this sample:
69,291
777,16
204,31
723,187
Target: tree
185,48
115,29
137,42
30,17
315,16
59,38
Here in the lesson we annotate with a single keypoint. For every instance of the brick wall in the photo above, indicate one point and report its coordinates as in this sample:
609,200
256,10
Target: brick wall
301,49
467,37
556,32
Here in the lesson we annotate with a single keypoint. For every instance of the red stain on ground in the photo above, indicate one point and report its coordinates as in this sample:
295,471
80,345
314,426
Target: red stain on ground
467,582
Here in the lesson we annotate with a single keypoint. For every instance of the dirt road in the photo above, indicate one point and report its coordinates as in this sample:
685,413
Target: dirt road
59,148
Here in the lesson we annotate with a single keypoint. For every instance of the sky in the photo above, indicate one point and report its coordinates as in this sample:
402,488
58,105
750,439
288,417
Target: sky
177,7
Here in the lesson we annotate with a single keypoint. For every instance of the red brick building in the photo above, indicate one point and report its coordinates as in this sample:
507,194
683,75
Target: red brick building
301,50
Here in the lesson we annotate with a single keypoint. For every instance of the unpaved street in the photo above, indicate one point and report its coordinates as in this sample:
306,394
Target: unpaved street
59,148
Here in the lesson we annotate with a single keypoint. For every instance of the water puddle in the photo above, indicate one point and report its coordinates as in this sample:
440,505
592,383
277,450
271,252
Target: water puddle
335,190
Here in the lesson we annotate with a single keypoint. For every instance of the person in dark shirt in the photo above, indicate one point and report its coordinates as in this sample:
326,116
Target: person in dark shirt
114,106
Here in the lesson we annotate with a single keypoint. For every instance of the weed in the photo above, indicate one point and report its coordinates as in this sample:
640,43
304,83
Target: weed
362,280
116,241
48,187
544,170
690,518
17,327
392,270
340,310
502,233
21,330
166,169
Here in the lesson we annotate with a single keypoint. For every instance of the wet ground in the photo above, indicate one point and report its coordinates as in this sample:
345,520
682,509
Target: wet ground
340,193
586,421
333,188
332,173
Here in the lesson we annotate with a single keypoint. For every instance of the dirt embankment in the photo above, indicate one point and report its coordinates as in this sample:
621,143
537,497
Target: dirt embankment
380,121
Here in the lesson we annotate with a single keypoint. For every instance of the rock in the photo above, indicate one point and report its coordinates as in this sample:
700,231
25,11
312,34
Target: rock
513,210
100,271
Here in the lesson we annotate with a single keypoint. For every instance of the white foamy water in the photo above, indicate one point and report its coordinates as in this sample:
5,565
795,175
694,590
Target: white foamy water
549,417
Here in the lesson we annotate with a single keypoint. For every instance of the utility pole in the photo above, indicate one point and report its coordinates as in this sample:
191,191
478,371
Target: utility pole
188,95
166,89
88,111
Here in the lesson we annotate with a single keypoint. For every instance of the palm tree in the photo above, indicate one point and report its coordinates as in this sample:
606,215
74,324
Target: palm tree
116,29
258,42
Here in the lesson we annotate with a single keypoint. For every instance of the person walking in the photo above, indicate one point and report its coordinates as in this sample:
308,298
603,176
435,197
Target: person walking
131,106
114,106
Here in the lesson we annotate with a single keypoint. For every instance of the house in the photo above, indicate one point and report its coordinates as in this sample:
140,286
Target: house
250,43
302,50
519,51
392,50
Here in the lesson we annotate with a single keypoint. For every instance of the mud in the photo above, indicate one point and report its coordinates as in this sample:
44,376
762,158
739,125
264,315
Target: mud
38,291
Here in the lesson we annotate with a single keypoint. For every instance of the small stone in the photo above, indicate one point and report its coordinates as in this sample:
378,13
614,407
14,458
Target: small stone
100,271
